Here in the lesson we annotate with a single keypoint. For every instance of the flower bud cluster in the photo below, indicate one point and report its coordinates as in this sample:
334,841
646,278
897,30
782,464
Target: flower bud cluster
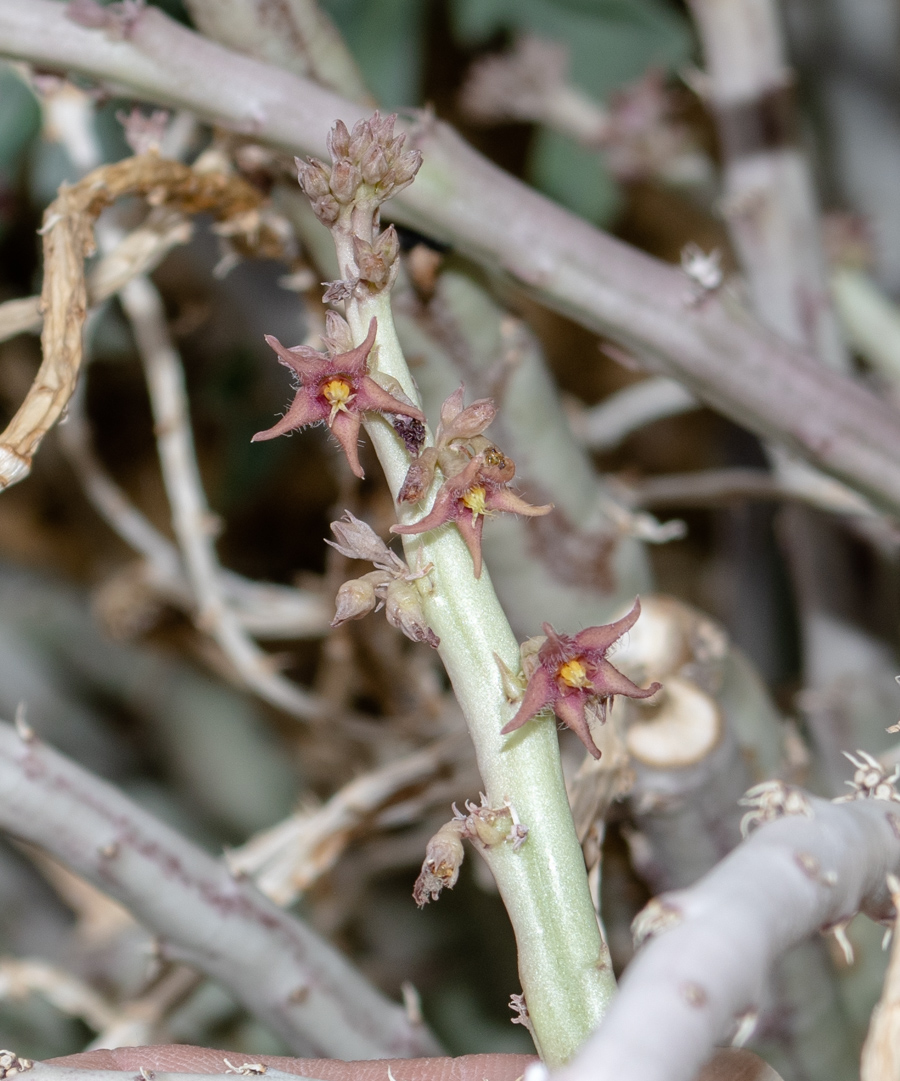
390,586
368,166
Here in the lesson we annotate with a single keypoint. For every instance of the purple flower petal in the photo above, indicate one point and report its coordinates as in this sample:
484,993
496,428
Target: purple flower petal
540,693
569,708
599,639
608,681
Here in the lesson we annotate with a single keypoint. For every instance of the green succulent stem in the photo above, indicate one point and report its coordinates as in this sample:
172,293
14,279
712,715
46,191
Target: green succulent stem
564,963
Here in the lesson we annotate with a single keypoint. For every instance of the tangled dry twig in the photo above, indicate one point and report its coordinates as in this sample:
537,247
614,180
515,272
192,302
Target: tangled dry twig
68,238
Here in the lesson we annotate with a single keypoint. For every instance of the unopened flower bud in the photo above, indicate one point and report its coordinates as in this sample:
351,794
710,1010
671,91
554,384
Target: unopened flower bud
419,477
313,176
358,540
383,128
357,597
394,146
345,181
444,854
360,141
338,141
452,406
373,267
374,165
337,337
387,244
472,420
327,209
491,825
403,609
403,171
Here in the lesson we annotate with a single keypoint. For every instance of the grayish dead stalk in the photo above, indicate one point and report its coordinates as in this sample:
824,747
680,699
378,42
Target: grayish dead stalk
281,971
607,424
139,252
718,941
769,202
881,1053
194,524
288,858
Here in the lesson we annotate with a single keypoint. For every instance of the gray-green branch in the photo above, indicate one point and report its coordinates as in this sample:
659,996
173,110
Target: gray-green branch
286,975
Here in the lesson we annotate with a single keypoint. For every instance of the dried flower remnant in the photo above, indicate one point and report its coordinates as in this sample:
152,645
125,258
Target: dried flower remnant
485,826
871,779
337,389
519,1007
391,585
771,800
12,1064
444,855
575,679
655,918
477,476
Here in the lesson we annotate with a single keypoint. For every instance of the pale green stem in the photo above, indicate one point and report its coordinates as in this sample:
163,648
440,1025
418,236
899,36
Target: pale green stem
563,962
870,320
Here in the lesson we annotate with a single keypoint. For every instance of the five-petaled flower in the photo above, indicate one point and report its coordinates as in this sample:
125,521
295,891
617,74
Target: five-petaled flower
575,678
335,388
466,498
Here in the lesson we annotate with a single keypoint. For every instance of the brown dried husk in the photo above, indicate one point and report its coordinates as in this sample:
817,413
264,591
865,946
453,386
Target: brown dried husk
68,238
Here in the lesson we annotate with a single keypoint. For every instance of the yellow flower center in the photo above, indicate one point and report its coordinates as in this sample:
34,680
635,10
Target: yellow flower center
574,674
337,392
474,499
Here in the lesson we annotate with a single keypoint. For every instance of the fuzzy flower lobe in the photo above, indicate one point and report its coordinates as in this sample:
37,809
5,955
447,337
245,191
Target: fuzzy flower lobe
480,489
573,675
337,389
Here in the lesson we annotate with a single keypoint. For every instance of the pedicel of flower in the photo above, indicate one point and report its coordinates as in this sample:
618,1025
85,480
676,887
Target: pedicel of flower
574,678
337,389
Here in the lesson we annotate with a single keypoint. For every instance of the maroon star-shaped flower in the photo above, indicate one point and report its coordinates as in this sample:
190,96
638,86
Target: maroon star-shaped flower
335,387
573,673
479,489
